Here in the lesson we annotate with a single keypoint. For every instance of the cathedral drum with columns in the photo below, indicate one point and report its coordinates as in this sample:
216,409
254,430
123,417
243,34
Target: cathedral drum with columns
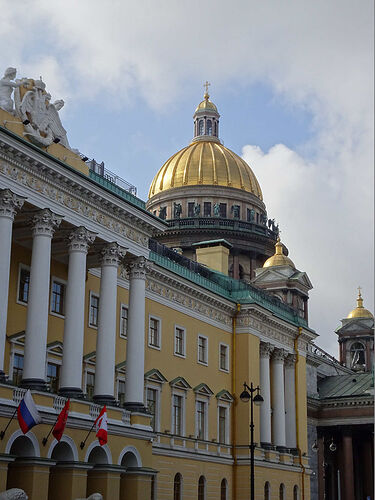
97,308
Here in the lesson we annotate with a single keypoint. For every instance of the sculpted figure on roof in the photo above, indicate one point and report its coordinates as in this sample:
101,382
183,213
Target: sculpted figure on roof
7,85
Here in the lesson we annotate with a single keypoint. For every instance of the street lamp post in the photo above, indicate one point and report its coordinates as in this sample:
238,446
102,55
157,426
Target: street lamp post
248,395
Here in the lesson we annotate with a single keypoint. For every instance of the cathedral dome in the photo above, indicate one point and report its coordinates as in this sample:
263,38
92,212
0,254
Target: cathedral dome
360,311
206,104
279,259
205,162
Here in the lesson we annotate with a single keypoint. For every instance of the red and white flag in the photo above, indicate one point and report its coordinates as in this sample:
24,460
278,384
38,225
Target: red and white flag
101,427
59,428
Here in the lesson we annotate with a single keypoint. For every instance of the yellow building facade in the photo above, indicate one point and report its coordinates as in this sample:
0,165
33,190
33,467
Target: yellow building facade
94,312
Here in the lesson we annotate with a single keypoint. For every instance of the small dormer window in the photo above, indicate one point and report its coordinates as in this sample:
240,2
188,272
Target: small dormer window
357,352
209,127
200,127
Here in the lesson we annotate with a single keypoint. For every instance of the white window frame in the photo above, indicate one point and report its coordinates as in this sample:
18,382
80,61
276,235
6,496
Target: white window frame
184,341
226,370
89,368
53,361
152,346
14,350
55,279
119,379
205,401
156,388
182,394
93,294
226,407
122,306
27,268
205,362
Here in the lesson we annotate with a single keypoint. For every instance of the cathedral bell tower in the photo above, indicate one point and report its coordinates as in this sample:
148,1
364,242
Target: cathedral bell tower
206,119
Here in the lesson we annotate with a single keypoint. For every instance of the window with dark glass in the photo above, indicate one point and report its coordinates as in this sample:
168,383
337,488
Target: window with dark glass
209,127
121,392
207,209
295,492
223,210
154,332
151,405
202,349
215,128
153,488
53,376
179,347
222,424
24,285
177,487
267,491
177,415
57,299
94,310
90,384
201,420
124,321
202,488
17,368
223,489
191,206
257,218
224,365
282,492
200,127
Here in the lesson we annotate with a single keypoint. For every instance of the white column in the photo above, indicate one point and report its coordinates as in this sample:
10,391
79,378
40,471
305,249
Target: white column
135,350
107,321
265,389
290,402
44,224
278,403
71,371
9,204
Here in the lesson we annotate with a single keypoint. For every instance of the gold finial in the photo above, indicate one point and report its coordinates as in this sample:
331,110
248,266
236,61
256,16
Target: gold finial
278,247
206,85
359,299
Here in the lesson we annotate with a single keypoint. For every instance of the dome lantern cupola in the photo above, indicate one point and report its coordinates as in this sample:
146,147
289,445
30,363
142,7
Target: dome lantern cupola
360,311
206,119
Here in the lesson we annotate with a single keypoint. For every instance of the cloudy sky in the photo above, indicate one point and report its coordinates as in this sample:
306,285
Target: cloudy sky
293,82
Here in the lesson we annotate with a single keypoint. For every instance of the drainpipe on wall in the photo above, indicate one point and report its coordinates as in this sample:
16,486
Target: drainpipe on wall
234,427
297,408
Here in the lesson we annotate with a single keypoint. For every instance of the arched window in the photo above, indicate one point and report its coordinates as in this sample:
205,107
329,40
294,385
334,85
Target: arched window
209,127
223,489
200,127
267,491
295,493
177,487
357,354
202,488
153,488
282,492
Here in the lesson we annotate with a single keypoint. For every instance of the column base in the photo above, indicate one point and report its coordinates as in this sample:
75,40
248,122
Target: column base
139,407
105,399
71,392
282,449
36,384
267,446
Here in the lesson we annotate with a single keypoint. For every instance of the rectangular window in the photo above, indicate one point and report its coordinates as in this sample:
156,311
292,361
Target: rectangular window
121,392
58,298
24,285
53,376
201,420
207,209
90,384
179,341
94,310
154,332
257,218
177,415
222,424
202,349
123,321
191,206
151,406
224,357
223,210
17,368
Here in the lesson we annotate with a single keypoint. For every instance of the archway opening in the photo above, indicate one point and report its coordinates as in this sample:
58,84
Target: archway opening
129,460
22,447
62,452
97,456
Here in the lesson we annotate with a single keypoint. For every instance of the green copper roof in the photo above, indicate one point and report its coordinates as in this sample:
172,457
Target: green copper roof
341,386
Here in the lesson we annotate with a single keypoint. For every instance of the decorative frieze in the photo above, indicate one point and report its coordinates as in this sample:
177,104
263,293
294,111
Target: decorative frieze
45,222
80,239
10,203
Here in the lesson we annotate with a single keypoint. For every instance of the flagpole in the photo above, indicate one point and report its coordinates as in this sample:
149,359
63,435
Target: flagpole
2,433
82,445
45,439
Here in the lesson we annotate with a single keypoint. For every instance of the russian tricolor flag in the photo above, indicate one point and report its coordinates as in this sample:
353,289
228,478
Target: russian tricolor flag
27,413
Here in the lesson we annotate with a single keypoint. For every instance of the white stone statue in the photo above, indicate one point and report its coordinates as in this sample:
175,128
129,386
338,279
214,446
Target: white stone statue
13,494
94,496
6,89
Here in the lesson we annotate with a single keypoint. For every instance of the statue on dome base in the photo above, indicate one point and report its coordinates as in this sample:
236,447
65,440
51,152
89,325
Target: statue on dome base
177,210
217,209
235,211
7,85
197,209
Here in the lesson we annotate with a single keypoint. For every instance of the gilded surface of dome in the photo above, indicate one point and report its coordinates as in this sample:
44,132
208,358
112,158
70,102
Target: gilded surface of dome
205,162
360,311
206,104
279,259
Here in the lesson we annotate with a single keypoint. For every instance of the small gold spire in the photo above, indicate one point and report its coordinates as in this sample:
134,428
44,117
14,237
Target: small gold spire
359,299
206,94
360,311
278,247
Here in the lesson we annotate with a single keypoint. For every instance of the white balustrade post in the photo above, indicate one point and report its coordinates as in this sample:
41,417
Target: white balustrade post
71,371
265,388
135,351
10,203
290,402
44,224
112,254
278,402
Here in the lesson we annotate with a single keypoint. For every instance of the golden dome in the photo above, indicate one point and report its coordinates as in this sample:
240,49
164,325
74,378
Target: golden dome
360,311
205,162
206,104
279,259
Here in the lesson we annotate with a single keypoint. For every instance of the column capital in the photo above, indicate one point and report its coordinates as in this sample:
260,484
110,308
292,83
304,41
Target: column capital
112,254
45,222
138,268
80,239
265,349
290,360
279,354
10,203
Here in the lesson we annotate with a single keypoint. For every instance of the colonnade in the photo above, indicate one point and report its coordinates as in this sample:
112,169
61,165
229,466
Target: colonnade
43,225
278,410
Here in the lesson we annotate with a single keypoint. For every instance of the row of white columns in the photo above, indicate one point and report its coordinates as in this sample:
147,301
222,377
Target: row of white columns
278,411
44,223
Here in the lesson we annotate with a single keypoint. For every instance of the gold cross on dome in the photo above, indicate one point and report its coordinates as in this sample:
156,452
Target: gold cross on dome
206,85
359,291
